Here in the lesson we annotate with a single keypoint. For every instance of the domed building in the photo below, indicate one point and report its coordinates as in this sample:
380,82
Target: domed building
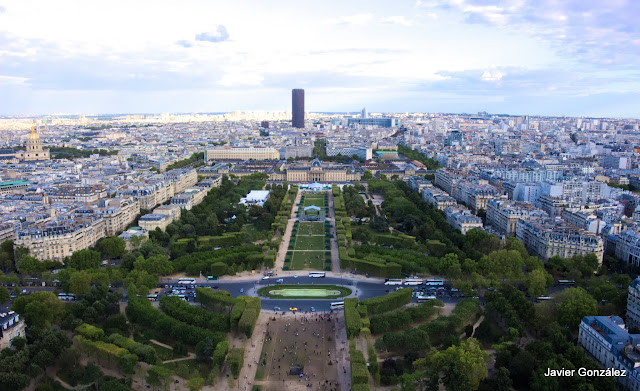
34,150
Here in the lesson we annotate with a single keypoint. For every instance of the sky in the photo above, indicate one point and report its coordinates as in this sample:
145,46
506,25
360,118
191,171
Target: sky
538,57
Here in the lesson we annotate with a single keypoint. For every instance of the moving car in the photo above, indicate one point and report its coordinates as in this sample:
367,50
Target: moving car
276,308
265,277
313,309
293,309
241,290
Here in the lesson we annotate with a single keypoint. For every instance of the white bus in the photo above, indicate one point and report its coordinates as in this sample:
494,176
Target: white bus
413,281
186,281
434,282
422,299
317,274
393,281
152,297
544,298
566,282
338,305
65,296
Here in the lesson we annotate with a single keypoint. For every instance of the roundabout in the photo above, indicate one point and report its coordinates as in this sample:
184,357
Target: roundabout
304,291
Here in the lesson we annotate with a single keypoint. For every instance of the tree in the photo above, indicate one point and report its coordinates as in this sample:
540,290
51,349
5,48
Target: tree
42,315
379,224
30,265
111,247
84,259
157,264
4,295
367,176
195,384
463,366
537,283
38,315
80,282
158,376
572,305
204,350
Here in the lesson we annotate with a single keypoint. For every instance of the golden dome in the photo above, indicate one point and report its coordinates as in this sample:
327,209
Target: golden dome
33,135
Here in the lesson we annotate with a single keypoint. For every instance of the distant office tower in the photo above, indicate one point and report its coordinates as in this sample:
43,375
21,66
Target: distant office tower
264,124
297,103
364,114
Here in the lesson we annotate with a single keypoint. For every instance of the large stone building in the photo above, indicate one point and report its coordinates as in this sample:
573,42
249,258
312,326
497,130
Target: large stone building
11,326
319,172
59,238
503,215
547,237
633,305
247,153
607,341
34,150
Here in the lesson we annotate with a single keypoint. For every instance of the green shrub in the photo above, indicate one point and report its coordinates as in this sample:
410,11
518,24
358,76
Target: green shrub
91,332
220,353
392,301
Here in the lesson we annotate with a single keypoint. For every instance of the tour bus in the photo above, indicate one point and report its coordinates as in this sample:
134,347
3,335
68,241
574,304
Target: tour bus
338,305
65,296
393,281
187,281
152,297
566,282
413,281
434,282
544,298
317,274
422,299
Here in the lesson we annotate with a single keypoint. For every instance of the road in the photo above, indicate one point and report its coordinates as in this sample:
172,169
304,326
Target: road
363,289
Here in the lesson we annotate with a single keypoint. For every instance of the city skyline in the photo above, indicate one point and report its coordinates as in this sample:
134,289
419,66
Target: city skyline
514,57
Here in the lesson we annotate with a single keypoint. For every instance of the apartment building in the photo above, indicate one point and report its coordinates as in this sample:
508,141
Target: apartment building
627,246
552,205
61,236
633,305
584,219
447,180
118,213
190,198
72,193
548,237
11,326
241,153
503,215
161,217
437,198
607,341
182,179
461,218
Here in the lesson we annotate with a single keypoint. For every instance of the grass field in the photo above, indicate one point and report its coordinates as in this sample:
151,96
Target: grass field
309,243
306,228
327,291
316,200
307,260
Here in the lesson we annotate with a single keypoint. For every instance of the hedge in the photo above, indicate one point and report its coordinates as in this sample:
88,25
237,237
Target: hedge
392,301
219,301
374,366
124,360
398,319
91,332
397,241
351,317
144,352
236,313
360,387
249,317
141,311
235,360
196,316
359,373
220,353
227,239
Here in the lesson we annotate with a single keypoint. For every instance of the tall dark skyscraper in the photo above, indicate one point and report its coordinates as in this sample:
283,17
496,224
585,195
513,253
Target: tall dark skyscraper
297,108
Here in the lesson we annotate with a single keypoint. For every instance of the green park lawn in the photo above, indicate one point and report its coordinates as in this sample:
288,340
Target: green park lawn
307,260
306,228
309,243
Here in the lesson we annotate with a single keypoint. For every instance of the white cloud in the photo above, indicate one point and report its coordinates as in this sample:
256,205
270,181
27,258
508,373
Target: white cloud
492,75
399,20
355,20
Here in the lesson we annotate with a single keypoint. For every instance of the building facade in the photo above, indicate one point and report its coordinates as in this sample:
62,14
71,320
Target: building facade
241,153
297,108
547,237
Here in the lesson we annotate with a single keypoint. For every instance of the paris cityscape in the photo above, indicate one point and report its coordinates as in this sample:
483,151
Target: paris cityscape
429,195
